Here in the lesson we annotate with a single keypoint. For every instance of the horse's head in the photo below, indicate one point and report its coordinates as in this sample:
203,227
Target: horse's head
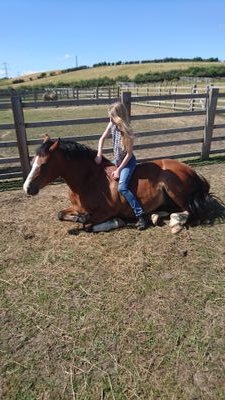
43,170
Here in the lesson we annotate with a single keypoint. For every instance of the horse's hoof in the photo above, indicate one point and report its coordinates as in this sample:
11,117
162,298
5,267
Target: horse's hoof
82,218
61,215
176,228
178,218
155,219
74,232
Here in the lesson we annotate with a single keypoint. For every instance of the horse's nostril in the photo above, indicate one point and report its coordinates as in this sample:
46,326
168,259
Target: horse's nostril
33,190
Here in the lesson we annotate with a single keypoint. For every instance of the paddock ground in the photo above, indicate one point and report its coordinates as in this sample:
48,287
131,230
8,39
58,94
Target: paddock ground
118,315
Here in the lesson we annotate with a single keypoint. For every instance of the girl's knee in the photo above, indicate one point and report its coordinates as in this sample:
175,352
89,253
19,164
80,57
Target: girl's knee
122,188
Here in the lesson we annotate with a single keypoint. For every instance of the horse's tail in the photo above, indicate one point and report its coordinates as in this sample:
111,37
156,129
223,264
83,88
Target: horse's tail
199,198
204,205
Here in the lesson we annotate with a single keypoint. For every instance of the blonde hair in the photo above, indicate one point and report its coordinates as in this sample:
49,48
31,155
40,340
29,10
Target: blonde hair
118,113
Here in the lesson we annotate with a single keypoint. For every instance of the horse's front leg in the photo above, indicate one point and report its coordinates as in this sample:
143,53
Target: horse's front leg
69,214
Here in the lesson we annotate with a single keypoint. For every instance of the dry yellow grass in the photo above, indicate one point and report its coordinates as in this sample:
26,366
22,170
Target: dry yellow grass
121,315
110,71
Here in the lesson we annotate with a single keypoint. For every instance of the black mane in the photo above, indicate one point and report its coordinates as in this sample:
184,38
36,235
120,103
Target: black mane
75,150
70,148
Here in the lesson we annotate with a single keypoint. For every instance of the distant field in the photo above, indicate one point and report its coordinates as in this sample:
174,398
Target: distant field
110,71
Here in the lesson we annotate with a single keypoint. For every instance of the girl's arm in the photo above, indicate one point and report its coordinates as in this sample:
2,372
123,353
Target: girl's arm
98,158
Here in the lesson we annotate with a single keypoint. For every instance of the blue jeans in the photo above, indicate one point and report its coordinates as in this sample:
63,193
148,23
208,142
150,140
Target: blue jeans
125,176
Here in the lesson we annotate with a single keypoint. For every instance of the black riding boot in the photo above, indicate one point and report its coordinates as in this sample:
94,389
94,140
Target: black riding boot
143,222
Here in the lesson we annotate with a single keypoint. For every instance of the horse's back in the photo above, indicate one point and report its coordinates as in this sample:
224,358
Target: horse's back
154,169
170,176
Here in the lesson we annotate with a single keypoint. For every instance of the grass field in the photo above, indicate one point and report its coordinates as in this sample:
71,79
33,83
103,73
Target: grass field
123,315
110,71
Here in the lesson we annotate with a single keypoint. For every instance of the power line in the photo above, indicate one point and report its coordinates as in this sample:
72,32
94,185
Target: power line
5,65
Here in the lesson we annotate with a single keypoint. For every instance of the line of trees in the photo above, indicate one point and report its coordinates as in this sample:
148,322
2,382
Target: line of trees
177,74
158,60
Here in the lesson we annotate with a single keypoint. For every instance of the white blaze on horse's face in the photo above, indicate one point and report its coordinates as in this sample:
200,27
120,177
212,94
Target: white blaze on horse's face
33,173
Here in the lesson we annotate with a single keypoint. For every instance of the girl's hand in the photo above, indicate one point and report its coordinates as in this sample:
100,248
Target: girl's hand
116,174
98,159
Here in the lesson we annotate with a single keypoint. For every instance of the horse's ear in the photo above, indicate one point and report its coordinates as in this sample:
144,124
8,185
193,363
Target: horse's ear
46,138
54,146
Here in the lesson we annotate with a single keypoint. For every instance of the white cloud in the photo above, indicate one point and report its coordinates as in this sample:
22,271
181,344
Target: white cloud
67,56
29,73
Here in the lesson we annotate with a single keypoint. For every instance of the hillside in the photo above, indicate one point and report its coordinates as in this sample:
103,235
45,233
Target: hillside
112,72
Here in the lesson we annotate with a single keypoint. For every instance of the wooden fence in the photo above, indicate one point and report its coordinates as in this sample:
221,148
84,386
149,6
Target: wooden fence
175,103
63,93
205,139
108,92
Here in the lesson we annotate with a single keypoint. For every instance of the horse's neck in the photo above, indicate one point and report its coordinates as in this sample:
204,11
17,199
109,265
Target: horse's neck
78,173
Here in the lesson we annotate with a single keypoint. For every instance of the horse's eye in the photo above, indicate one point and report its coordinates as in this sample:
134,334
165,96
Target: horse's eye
43,166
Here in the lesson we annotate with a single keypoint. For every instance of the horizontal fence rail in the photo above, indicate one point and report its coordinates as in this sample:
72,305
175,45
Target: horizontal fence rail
22,143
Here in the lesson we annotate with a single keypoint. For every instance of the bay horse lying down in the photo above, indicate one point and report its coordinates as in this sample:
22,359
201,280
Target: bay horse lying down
165,185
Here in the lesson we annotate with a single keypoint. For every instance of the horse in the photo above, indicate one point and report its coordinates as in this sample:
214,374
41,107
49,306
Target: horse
163,185
50,95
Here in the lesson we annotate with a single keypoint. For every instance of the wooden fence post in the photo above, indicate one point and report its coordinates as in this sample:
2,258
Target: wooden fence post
209,122
192,101
159,102
21,134
35,92
126,100
174,101
97,92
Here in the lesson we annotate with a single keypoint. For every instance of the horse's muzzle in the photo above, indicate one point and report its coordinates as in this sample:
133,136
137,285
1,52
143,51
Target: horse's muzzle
32,189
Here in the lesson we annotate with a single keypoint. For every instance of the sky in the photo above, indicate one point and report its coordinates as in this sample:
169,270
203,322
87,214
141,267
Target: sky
39,35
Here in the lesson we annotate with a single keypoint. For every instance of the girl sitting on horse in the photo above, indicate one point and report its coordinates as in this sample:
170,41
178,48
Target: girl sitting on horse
125,161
